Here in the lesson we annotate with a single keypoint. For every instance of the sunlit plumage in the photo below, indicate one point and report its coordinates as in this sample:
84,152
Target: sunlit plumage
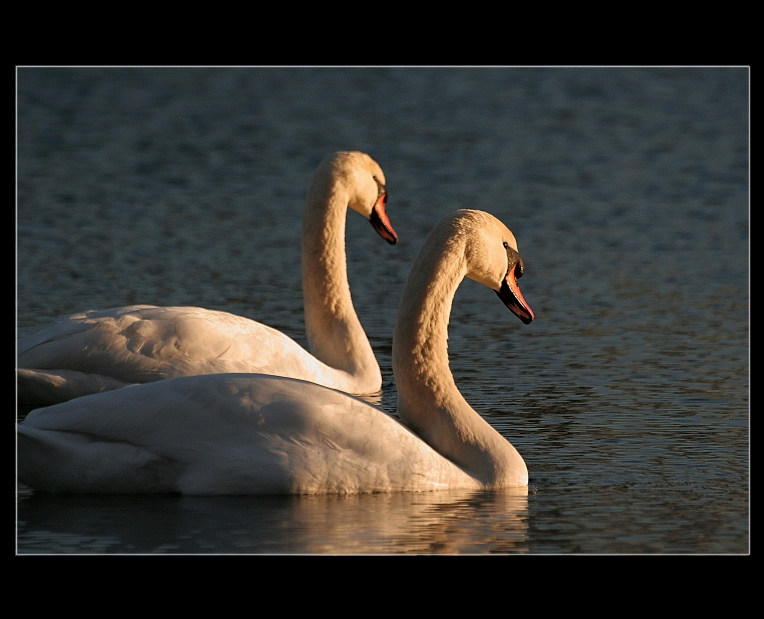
257,434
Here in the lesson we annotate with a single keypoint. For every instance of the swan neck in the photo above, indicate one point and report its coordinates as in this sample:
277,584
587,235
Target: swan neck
420,339
428,399
335,335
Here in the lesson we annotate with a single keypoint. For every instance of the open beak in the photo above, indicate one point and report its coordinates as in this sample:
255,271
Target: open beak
380,221
512,297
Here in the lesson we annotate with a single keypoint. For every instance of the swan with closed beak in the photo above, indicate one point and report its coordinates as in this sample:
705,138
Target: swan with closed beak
100,350
257,434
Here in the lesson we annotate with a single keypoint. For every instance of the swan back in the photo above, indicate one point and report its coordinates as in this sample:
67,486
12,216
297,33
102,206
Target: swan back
226,434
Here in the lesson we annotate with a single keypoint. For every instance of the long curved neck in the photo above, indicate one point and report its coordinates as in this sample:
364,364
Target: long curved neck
335,335
428,400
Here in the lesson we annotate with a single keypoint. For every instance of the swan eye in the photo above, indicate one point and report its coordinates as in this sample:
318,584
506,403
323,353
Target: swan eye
381,189
514,260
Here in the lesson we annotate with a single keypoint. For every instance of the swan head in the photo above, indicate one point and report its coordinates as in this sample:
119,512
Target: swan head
366,189
492,259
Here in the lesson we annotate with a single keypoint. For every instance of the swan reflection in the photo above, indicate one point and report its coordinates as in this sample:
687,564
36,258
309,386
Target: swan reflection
464,522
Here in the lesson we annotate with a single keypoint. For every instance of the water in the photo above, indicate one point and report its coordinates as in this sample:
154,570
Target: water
628,192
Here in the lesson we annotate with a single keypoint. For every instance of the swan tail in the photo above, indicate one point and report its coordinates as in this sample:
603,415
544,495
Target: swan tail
54,461
37,388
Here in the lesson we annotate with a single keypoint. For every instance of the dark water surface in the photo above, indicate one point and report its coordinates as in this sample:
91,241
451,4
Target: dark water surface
627,190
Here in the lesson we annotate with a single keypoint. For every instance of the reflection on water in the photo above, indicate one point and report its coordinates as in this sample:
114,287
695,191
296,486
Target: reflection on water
419,523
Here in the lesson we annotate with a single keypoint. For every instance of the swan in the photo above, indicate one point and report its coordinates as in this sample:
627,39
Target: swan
260,434
100,350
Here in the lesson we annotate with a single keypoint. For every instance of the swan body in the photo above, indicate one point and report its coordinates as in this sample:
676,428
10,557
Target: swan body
99,350
259,434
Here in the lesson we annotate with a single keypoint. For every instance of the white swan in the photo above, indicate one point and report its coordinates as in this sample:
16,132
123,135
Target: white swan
258,434
99,350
